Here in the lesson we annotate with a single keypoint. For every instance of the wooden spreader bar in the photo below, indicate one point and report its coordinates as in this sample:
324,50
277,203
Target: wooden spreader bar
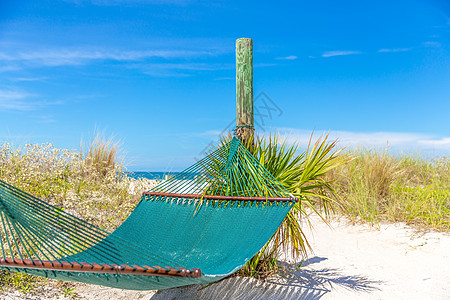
99,268
218,197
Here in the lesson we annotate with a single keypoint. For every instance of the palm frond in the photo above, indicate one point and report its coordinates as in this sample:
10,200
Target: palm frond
302,174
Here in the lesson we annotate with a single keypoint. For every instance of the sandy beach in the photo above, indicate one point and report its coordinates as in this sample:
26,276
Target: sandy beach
350,261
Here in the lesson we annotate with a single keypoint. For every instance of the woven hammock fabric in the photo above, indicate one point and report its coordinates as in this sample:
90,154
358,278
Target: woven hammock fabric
213,217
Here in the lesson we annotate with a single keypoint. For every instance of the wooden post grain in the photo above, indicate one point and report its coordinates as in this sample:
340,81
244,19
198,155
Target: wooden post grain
244,88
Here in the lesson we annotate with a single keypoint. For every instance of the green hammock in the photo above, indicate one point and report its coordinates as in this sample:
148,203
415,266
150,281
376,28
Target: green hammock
197,227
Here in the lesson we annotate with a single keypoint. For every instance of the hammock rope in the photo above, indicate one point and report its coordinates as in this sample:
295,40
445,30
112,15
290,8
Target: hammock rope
56,234
196,227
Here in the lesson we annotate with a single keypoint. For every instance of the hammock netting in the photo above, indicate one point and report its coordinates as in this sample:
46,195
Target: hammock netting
199,226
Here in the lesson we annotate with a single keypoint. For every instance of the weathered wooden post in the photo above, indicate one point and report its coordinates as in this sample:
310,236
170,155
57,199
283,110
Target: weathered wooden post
244,89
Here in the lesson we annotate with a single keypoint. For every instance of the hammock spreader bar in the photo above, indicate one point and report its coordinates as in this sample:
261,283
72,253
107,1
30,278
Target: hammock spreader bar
218,197
99,268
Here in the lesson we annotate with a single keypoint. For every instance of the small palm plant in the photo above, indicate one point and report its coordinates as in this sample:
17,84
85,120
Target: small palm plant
302,174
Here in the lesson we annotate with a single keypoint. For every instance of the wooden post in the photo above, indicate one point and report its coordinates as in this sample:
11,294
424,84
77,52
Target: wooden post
244,88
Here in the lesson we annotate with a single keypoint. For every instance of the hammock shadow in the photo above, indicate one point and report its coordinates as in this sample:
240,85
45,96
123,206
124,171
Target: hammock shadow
324,279
294,284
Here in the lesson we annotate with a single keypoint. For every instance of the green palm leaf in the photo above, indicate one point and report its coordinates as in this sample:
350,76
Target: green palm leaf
302,174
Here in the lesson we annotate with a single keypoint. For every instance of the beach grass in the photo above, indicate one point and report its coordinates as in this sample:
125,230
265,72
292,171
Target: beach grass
379,186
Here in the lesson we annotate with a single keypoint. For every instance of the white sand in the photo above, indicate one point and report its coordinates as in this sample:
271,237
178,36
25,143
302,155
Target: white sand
349,262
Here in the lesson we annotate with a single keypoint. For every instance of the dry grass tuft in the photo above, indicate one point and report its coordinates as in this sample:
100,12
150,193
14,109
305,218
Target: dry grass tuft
103,156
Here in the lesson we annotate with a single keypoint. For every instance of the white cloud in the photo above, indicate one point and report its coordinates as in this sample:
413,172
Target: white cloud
61,57
432,44
8,68
178,69
190,66
402,141
15,100
4,56
339,53
45,119
29,78
130,2
440,143
395,50
290,57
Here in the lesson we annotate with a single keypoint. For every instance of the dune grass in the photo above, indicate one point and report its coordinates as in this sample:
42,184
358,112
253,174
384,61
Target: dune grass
379,186
103,156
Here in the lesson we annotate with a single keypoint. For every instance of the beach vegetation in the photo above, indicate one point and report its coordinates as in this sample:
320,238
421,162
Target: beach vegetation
24,283
103,157
379,186
91,184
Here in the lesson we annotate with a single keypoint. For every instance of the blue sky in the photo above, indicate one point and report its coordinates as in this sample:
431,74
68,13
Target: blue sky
160,75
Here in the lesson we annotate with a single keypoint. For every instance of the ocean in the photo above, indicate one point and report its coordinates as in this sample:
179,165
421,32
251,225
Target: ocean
150,175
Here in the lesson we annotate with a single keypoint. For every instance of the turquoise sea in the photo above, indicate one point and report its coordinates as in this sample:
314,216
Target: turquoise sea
150,175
